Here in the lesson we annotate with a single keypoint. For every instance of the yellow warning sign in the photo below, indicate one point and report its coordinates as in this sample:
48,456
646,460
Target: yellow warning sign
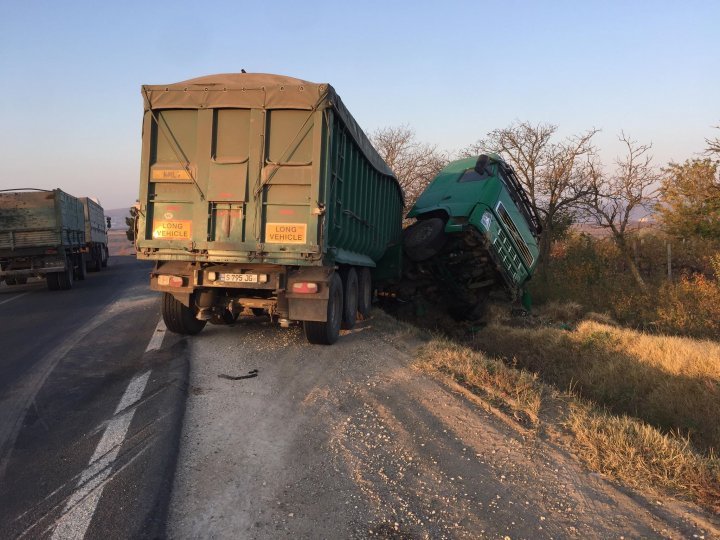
172,230
170,175
286,233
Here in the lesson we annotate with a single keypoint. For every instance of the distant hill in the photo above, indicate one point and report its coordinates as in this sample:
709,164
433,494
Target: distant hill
118,216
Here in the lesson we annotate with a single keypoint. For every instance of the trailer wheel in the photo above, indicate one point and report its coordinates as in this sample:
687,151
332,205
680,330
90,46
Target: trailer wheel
364,291
65,278
350,297
104,256
178,318
327,333
11,280
423,239
93,265
53,283
81,268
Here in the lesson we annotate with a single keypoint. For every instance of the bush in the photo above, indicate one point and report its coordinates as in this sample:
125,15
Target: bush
591,272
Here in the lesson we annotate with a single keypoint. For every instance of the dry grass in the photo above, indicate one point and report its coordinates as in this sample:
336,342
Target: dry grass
669,382
621,447
520,389
640,456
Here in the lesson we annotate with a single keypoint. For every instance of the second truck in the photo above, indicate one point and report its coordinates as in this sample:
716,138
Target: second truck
50,234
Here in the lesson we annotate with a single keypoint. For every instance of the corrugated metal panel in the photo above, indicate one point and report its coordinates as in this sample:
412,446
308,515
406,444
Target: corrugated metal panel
38,219
20,240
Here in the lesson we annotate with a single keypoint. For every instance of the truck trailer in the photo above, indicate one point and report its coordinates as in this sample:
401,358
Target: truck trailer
96,238
261,192
42,234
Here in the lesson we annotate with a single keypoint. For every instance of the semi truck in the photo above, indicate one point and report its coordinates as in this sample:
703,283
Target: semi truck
476,232
261,192
42,234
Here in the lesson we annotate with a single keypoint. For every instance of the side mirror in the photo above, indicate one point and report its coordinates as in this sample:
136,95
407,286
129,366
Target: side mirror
109,222
481,165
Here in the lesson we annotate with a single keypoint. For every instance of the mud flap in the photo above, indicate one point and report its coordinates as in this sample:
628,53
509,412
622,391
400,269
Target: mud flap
309,307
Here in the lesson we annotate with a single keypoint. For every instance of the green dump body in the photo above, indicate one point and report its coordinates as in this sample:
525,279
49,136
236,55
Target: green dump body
31,222
489,230
42,234
261,192
255,168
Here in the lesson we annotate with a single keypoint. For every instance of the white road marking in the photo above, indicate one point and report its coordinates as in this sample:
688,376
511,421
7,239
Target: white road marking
81,506
13,298
157,337
16,405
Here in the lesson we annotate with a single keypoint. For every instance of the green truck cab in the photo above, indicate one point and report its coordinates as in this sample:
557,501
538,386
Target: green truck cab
260,192
476,232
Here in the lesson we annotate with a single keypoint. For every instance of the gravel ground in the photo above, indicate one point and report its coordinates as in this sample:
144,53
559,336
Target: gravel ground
349,441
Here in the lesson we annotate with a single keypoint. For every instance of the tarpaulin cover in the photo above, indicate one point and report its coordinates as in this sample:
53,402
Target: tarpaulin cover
258,91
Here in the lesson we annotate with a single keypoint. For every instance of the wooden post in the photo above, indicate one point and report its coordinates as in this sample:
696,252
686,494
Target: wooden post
669,261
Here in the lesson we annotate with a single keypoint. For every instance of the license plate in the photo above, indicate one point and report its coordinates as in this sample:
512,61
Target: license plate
239,278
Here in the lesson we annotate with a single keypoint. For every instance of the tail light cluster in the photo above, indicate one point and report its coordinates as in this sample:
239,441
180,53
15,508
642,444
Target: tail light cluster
305,287
171,281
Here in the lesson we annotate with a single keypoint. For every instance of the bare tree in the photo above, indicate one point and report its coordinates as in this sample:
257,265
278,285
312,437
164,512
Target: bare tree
414,163
713,145
616,198
556,175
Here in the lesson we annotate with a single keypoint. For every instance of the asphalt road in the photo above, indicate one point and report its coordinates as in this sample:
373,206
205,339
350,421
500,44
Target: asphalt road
92,399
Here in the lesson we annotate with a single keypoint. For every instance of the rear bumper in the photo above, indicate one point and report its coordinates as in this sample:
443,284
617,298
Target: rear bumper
268,290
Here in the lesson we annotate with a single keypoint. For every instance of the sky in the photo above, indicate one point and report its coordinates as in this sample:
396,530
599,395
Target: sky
71,72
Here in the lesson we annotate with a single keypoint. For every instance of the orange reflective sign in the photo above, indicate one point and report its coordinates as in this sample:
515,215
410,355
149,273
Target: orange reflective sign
170,174
172,230
286,233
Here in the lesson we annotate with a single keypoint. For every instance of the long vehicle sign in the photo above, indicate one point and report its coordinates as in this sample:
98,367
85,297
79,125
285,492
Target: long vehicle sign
172,229
286,233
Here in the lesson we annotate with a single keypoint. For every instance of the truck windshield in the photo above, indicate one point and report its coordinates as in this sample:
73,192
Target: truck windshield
471,175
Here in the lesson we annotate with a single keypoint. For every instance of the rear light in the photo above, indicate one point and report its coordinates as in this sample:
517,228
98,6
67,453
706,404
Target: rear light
212,276
170,281
305,287
51,251
262,278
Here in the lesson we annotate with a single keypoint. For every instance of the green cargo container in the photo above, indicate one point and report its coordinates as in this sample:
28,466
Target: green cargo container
261,191
96,240
42,234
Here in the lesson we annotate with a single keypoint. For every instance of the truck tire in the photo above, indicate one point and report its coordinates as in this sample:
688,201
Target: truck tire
81,268
350,297
104,256
65,278
93,265
258,311
11,280
178,318
327,333
364,291
53,282
423,239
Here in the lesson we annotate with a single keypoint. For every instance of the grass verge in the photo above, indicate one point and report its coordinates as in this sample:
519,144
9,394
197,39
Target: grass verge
622,446
671,383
